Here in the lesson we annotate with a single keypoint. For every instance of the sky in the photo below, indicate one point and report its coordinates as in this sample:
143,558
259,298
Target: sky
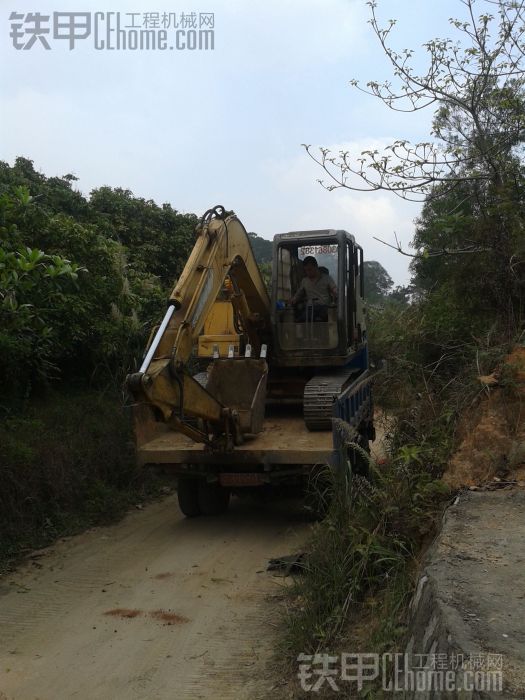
225,126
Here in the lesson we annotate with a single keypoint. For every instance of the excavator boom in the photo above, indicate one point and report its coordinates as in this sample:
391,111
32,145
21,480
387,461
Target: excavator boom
222,251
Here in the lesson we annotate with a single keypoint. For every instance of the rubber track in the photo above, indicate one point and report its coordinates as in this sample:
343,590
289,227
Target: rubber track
319,395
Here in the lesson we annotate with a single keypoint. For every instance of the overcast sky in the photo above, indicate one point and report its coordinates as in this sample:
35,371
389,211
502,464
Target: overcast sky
198,128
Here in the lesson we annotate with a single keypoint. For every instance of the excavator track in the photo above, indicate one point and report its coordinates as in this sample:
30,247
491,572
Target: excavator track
319,396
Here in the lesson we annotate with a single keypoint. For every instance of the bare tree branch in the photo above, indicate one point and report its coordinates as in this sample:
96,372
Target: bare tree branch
433,253
477,83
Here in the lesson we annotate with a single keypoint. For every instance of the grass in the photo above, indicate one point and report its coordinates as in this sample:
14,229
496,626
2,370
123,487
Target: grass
362,558
363,547
66,463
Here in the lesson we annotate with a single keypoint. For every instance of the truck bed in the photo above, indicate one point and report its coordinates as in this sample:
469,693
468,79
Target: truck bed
284,440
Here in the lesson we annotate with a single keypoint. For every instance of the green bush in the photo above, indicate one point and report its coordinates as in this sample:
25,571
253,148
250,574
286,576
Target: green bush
67,462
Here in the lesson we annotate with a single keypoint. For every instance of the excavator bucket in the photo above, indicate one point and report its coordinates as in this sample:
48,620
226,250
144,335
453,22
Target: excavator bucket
240,384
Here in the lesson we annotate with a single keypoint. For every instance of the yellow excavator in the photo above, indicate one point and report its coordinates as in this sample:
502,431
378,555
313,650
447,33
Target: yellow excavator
276,371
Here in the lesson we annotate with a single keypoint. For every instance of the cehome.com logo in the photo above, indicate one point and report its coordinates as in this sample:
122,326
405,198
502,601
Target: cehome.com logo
114,31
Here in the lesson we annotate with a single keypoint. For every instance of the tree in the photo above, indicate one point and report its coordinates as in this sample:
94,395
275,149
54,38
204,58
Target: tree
402,294
476,86
157,239
262,248
83,280
32,283
377,282
471,174
71,304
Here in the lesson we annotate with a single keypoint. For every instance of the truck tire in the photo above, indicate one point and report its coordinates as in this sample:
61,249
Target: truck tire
213,498
188,494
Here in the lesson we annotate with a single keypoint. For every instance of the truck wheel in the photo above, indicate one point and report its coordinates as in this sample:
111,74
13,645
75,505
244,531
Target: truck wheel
188,493
213,498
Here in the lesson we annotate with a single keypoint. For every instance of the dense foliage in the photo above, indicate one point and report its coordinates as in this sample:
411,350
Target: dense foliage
378,282
262,248
82,280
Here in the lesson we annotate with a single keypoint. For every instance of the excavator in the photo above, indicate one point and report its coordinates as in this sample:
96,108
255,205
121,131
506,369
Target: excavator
241,391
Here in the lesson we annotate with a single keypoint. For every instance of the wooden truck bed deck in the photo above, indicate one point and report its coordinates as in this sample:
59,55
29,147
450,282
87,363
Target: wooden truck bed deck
284,440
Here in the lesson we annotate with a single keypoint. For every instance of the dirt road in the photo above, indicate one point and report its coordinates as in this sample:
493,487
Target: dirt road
155,607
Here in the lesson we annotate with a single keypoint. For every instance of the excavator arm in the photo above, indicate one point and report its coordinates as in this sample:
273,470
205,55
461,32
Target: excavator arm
222,250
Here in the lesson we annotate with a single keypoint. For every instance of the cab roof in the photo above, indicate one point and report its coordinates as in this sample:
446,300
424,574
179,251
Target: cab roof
298,236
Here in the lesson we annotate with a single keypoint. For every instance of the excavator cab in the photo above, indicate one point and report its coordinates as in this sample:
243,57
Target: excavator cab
310,331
